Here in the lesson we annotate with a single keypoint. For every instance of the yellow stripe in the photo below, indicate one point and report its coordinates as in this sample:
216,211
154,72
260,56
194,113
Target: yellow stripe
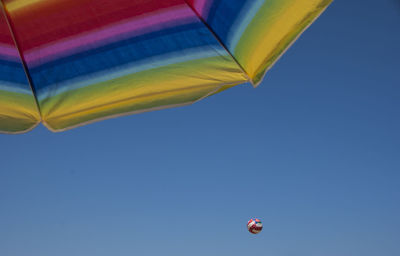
18,112
291,18
273,29
147,89
136,105
18,105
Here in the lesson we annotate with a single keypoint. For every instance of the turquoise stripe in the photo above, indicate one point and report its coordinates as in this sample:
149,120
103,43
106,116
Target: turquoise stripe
131,68
17,88
244,19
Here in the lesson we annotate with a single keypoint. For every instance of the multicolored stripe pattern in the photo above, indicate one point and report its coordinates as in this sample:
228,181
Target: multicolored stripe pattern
257,32
90,60
18,111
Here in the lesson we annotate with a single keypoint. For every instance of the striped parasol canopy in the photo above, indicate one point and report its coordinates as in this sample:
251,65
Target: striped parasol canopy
67,63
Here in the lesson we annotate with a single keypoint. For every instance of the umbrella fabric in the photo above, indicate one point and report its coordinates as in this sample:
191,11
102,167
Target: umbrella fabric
89,60
18,110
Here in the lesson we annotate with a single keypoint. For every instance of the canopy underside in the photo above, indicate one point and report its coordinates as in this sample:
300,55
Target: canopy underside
72,62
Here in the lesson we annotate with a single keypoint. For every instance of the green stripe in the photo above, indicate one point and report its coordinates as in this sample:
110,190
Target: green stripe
17,112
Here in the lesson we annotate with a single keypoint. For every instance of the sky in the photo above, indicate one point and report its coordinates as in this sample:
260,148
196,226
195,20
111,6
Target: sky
314,152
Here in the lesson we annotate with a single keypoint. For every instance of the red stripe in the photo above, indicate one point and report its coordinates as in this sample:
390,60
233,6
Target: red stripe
54,20
5,35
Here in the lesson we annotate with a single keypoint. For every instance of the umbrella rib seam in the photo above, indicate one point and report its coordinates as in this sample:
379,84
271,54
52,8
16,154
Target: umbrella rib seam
220,42
23,63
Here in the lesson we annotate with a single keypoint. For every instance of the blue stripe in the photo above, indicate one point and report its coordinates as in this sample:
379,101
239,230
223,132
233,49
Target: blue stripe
222,16
12,73
121,53
131,68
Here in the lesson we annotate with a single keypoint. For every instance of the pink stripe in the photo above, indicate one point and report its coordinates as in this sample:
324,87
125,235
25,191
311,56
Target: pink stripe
9,51
199,6
202,7
86,41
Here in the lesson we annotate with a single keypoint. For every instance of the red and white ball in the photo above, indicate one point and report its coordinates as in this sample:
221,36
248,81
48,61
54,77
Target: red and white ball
254,226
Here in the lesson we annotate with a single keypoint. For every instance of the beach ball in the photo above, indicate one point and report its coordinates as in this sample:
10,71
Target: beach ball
254,226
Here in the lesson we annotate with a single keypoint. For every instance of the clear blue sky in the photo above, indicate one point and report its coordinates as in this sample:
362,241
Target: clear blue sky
314,152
